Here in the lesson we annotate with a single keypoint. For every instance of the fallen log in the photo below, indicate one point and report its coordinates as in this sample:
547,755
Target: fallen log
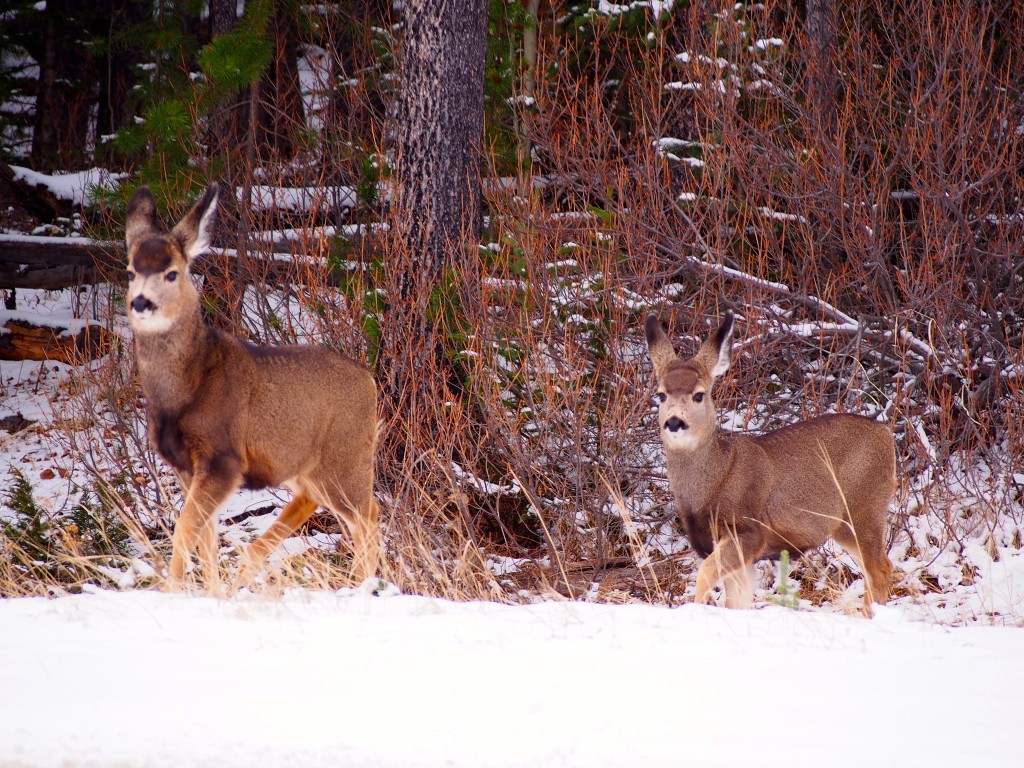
74,343
34,198
51,263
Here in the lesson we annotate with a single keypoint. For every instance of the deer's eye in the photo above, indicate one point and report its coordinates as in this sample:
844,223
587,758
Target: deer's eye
131,276
698,397
170,277
659,397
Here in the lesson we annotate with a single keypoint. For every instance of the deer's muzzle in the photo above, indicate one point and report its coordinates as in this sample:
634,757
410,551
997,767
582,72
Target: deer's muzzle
141,304
675,424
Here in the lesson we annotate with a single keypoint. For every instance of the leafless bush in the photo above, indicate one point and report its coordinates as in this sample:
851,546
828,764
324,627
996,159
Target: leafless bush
867,232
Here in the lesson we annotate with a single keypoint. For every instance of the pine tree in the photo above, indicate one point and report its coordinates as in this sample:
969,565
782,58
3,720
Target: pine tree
184,86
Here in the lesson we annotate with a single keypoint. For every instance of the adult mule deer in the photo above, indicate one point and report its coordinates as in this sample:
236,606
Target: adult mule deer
226,413
743,498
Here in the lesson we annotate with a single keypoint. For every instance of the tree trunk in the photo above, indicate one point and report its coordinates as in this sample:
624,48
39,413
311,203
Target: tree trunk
436,212
117,78
223,16
228,126
823,72
438,128
529,87
224,119
826,212
280,111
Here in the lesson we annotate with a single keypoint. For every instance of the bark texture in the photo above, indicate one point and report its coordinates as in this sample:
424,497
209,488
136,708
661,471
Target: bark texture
223,16
226,129
52,263
824,72
280,112
438,129
24,340
118,78
61,129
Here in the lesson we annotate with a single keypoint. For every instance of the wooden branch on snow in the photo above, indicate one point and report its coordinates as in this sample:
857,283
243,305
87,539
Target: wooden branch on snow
50,263
22,339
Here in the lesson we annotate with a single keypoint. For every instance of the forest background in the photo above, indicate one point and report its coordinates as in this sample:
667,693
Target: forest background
482,201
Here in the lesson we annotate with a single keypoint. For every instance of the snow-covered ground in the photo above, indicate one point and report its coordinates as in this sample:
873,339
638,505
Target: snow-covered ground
348,679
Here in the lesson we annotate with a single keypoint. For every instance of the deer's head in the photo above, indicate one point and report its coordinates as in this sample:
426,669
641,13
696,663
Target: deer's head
686,412
159,288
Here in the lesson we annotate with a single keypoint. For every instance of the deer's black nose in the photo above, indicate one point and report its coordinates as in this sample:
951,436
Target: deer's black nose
142,304
675,424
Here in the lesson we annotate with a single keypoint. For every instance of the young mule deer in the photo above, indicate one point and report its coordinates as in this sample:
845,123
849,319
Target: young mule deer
743,498
226,413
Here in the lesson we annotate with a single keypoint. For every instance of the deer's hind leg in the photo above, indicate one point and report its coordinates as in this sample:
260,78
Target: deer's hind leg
295,513
361,519
366,546
346,488
866,545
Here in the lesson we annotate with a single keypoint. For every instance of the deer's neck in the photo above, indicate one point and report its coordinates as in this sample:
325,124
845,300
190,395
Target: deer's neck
172,362
696,474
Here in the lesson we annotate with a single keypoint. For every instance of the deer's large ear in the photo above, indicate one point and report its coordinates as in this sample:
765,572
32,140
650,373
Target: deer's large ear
714,352
195,232
658,345
141,217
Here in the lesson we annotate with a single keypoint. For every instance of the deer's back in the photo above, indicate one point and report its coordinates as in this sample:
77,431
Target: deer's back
826,469
850,444
284,411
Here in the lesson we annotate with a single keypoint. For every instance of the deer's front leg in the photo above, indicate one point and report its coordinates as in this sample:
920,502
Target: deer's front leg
708,575
209,489
726,563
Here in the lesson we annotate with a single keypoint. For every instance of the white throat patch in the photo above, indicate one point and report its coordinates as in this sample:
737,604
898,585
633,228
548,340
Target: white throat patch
149,321
680,440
